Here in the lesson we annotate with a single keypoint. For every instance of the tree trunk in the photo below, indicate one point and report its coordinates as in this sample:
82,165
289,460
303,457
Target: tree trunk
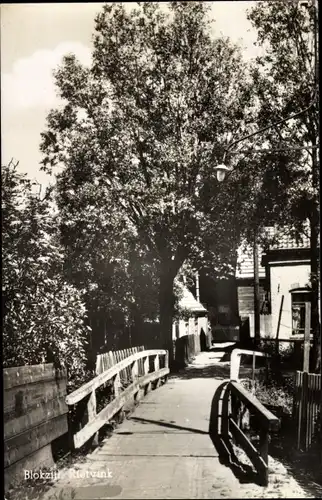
166,310
136,327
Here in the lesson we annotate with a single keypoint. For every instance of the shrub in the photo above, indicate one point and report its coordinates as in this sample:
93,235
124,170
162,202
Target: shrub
44,316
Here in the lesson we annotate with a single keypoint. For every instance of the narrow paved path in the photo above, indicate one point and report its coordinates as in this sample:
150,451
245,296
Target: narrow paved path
164,451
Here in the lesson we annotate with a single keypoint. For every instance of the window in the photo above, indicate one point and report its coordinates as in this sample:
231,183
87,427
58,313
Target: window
224,315
299,299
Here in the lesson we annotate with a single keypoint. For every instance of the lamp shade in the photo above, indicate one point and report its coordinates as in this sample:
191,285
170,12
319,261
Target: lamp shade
221,172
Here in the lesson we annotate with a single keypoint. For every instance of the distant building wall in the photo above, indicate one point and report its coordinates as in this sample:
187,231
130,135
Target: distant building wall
265,325
193,326
245,292
282,277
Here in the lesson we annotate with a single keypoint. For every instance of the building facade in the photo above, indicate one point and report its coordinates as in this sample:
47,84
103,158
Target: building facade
284,276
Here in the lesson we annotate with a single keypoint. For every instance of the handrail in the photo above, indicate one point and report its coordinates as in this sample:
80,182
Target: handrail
77,395
232,426
96,421
268,419
235,360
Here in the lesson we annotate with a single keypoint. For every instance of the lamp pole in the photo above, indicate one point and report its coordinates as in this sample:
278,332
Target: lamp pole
256,291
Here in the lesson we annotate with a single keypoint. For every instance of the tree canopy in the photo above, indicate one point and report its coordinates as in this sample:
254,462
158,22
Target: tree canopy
141,131
286,84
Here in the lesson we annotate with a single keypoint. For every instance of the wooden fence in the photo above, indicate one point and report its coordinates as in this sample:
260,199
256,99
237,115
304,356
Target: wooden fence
156,369
108,359
35,414
306,407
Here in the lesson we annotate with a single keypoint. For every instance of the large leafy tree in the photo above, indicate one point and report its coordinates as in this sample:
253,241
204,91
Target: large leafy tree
285,82
102,256
142,129
44,317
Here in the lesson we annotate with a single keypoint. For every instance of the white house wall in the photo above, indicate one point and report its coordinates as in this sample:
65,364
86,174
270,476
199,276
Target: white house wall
193,326
282,278
265,323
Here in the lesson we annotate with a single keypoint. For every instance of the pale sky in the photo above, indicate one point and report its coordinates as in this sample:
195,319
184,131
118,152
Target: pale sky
34,38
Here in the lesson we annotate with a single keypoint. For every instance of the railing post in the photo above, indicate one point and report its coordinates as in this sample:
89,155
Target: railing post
146,366
253,373
225,413
166,365
235,404
91,413
117,384
157,368
234,364
135,376
263,449
135,370
156,363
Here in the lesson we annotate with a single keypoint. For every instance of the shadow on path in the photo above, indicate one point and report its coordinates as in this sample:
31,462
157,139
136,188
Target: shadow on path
211,371
220,371
168,425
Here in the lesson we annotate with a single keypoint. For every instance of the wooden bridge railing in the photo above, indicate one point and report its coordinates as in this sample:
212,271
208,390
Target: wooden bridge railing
235,401
121,397
235,361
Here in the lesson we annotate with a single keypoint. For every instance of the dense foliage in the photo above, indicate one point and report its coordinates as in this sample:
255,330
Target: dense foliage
44,316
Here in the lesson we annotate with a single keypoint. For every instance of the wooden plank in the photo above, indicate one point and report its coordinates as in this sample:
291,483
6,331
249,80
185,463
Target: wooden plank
117,384
97,381
126,371
166,359
109,411
14,474
299,421
250,450
135,371
32,418
268,419
21,445
128,354
19,400
22,375
91,406
141,372
307,344
263,446
225,411
156,363
104,416
151,377
310,411
146,365
305,408
97,366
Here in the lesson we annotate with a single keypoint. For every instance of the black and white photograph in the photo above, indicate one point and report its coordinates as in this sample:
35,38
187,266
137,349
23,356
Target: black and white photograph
161,311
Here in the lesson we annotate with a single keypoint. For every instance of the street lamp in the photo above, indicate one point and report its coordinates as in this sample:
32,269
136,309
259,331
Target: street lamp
222,170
